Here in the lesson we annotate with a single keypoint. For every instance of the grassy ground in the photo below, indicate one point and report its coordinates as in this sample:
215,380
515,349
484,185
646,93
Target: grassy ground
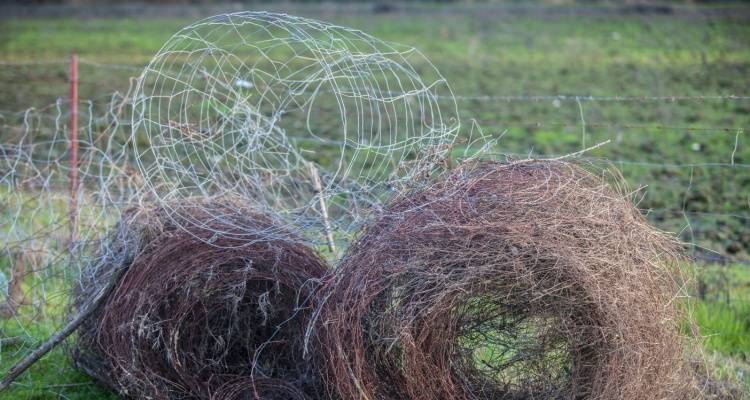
53,377
692,155
721,308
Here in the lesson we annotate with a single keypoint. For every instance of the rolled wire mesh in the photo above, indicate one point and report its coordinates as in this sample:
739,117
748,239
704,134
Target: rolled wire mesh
196,317
254,104
520,280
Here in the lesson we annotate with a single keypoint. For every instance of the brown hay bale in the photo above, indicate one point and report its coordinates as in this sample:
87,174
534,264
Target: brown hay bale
199,315
528,280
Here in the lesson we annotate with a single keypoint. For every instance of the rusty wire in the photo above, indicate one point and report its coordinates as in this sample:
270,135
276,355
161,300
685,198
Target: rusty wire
521,280
196,317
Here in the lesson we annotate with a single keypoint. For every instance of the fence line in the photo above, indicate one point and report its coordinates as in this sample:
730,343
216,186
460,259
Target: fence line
10,121
63,62
460,97
560,97
539,124
504,124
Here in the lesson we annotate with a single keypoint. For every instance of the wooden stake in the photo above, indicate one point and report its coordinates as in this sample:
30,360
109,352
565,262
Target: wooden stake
323,208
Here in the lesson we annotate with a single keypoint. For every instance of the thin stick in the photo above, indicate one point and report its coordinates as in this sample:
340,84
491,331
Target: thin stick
323,208
63,333
583,124
570,155
736,143
578,153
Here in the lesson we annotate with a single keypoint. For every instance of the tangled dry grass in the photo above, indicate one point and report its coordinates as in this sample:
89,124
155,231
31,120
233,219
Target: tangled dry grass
527,280
201,316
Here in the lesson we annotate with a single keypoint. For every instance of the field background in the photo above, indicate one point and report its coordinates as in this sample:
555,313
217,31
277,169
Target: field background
667,85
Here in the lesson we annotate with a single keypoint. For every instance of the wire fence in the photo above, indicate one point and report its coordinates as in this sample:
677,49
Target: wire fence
13,122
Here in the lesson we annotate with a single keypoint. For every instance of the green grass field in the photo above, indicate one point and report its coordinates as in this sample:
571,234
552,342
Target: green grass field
661,90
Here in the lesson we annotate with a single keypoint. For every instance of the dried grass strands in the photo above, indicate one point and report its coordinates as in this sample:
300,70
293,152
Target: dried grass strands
530,280
201,315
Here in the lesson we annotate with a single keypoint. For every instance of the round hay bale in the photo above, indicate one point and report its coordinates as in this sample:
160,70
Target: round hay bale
526,280
201,315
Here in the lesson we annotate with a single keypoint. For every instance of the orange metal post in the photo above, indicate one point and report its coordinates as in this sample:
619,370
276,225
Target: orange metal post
73,148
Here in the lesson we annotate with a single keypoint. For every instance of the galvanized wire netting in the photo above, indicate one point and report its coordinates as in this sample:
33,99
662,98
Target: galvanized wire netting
50,230
290,114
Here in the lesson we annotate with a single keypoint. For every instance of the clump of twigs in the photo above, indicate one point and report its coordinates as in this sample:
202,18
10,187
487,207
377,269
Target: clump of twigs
200,315
521,280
